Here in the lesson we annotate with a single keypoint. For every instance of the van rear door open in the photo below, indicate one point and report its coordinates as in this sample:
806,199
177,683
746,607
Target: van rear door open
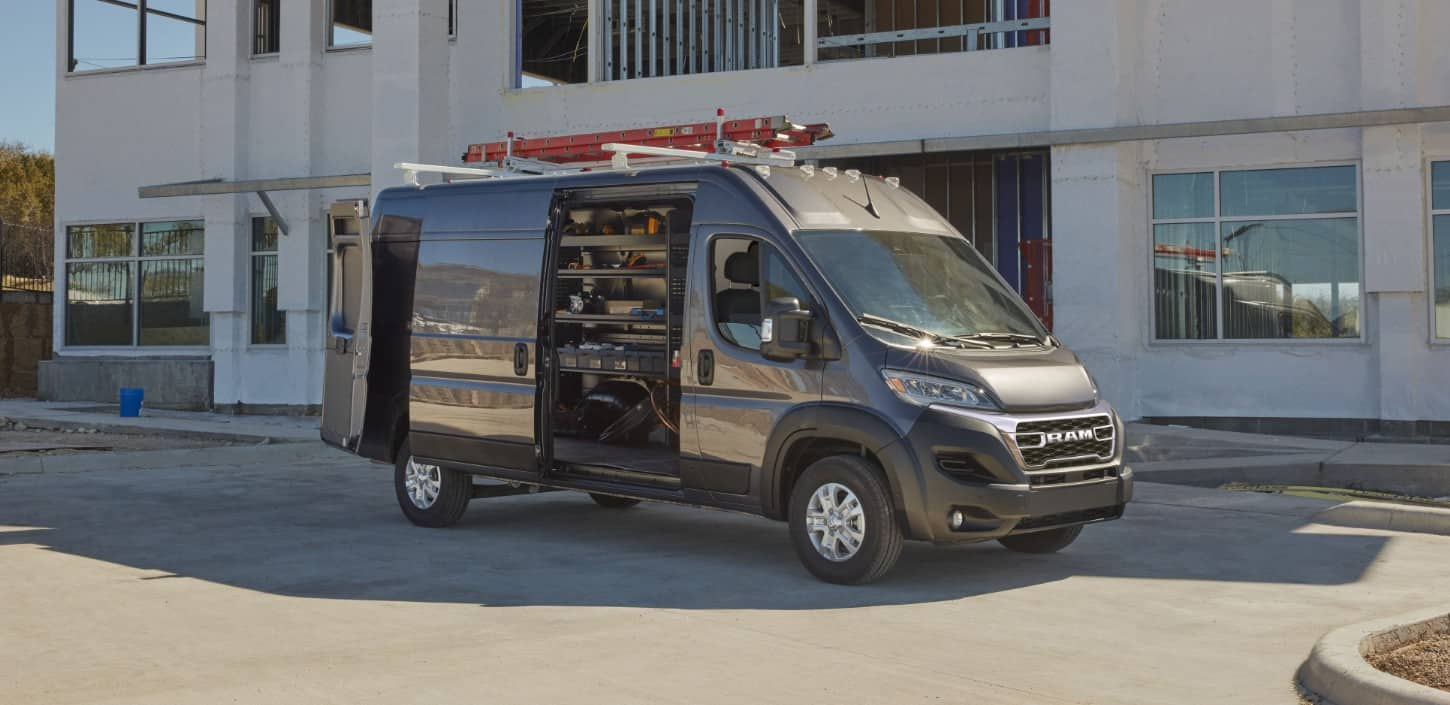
350,301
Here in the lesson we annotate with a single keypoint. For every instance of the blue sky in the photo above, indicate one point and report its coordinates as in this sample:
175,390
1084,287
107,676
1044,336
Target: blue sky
27,72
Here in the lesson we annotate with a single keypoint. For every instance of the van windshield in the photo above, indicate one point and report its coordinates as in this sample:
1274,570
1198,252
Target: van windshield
936,283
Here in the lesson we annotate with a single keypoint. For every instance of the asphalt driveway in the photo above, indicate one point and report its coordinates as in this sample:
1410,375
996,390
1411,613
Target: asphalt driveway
302,583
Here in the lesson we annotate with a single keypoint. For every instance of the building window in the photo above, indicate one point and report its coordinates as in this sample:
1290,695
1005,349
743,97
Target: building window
1440,244
111,34
125,290
266,27
269,323
1261,254
351,23
860,29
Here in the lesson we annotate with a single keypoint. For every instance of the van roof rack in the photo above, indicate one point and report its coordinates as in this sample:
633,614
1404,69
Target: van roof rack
761,141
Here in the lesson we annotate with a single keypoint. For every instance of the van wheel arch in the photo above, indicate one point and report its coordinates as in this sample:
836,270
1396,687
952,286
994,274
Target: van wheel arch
811,433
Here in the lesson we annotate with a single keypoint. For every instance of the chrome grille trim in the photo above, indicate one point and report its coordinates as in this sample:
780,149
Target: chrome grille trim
1007,426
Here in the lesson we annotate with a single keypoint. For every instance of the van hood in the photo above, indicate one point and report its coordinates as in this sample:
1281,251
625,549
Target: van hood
1022,380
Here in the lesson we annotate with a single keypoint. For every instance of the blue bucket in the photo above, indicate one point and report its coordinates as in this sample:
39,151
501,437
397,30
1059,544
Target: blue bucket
131,400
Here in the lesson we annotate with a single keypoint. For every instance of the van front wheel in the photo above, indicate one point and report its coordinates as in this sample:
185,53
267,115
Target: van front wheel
842,522
430,495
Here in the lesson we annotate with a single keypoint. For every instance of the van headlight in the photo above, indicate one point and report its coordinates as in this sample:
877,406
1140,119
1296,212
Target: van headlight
924,390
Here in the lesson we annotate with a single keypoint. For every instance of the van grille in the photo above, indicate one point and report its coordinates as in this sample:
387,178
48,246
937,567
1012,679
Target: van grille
1079,440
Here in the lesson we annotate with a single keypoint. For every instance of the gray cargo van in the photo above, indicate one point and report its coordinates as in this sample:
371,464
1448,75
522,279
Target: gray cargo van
808,345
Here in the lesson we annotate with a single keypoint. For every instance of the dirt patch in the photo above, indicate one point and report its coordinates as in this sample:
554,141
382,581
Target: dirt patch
15,440
1426,662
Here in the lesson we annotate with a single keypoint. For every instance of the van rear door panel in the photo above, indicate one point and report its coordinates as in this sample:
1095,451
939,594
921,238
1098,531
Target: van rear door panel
475,317
345,358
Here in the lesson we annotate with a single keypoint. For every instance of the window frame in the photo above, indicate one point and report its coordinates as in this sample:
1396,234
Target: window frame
252,254
133,258
1151,332
721,342
277,8
331,25
141,13
1436,337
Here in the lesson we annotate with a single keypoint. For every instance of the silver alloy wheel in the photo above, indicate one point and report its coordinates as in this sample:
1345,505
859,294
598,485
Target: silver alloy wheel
835,522
423,483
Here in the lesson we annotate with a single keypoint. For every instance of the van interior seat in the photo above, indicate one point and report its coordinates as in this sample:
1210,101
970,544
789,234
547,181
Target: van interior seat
741,305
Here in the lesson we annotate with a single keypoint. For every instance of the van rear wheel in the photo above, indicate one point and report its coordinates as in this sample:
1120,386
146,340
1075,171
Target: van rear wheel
842,522
612,502
430,495
1050,541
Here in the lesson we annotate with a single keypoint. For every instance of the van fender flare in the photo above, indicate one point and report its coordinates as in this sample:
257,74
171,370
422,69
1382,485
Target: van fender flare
853,425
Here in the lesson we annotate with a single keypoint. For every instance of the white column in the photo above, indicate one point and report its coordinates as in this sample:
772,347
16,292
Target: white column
410,86
223,129
62,162
1100,263
1095,60
301,257
1393,300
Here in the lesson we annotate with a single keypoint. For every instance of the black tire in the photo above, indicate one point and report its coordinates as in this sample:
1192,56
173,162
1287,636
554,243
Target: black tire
1050,541
612,502
455,489
881,541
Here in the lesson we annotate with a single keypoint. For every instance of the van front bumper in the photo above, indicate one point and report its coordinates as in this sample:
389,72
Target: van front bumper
960,463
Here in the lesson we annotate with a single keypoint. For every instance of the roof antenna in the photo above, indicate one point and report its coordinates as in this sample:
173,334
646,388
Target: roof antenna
869,205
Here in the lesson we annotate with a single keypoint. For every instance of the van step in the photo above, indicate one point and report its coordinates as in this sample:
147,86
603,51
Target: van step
508,490
632,477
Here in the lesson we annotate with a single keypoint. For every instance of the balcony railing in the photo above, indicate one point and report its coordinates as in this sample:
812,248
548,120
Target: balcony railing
646,38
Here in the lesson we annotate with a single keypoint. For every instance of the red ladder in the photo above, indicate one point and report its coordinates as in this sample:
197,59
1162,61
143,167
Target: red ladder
771,133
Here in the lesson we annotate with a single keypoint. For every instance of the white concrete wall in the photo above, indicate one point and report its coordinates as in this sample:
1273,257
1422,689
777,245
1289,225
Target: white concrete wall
1185,61
304,112
415,95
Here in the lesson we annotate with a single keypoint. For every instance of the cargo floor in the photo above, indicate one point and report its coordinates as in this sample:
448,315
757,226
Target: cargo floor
647,459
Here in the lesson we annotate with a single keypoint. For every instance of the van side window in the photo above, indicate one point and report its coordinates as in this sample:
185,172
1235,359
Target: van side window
779,280
740,288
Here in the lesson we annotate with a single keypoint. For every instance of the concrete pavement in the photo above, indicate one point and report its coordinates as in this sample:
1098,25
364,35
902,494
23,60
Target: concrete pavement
194,423
300,582
1206,458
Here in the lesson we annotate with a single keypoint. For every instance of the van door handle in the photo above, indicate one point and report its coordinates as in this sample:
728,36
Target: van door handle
705,367
521,359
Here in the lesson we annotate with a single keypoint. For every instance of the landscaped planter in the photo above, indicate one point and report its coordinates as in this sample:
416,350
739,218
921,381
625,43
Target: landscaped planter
1337,669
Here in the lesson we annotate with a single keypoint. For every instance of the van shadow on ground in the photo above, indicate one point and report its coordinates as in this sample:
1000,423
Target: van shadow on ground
332,530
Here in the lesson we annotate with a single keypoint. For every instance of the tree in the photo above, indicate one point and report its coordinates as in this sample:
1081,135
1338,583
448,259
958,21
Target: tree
27,209
27,186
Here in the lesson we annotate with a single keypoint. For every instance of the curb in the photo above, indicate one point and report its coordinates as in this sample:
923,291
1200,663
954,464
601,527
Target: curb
46,423
1290,468
1311,469
1388,517
188,458
1337,671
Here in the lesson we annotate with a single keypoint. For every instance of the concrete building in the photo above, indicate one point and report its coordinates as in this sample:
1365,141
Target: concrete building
1236,195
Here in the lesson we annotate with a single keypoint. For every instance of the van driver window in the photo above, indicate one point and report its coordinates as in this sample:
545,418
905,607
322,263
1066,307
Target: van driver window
738,298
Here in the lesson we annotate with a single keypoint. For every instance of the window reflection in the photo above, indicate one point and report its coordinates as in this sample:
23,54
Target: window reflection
352,23
98,303
171,303
1291,279
1265,277
1185,281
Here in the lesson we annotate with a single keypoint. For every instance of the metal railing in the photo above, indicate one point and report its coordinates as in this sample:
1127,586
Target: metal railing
677,37
27,258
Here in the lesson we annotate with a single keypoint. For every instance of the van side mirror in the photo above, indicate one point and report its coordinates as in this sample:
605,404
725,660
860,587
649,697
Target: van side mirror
784,330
